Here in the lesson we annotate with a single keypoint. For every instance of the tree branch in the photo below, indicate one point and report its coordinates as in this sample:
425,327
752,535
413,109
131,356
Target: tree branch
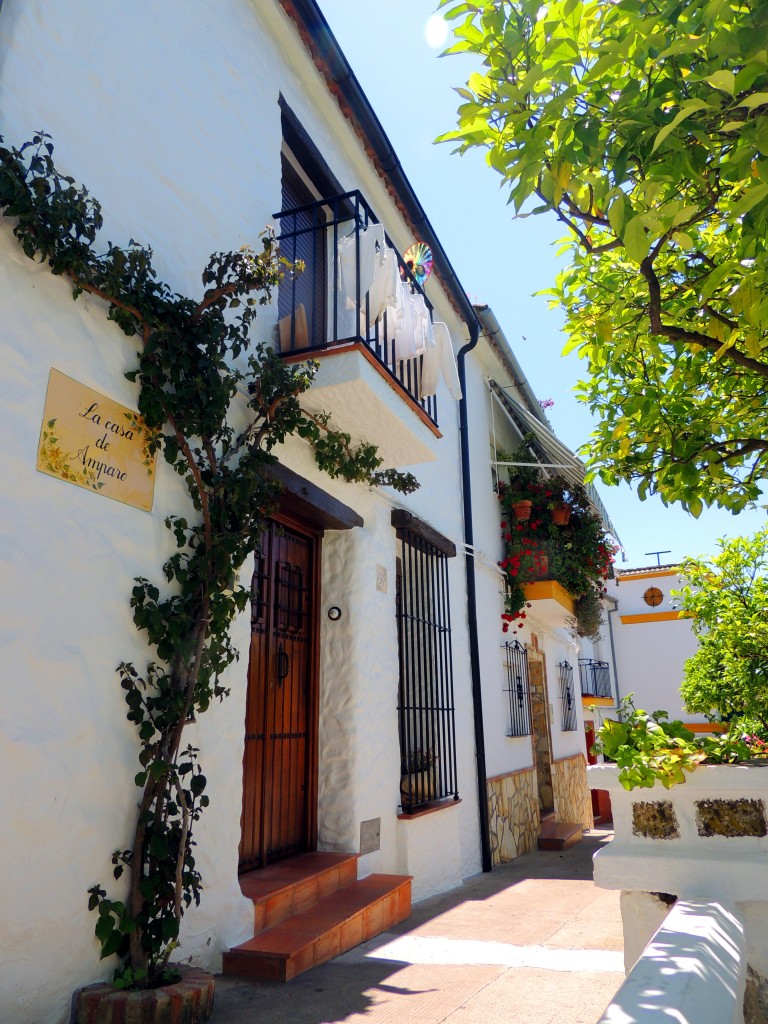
686,336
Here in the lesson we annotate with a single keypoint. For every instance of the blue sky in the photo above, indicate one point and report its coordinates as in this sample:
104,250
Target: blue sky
499,260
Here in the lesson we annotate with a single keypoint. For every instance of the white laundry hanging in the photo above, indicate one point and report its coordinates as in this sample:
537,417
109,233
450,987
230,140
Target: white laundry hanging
383,294
439,360
370,246
410,330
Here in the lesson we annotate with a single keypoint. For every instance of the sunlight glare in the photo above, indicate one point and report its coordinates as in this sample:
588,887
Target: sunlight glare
436,31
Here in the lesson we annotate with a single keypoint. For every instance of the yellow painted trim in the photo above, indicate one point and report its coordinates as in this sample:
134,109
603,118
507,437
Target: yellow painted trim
600,702
549,590
629,620
645,575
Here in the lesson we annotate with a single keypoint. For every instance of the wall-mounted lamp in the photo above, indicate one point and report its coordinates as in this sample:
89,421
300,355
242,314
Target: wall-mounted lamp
334,613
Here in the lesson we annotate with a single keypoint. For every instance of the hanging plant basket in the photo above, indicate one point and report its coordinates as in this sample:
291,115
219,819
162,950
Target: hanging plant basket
522,510
560,514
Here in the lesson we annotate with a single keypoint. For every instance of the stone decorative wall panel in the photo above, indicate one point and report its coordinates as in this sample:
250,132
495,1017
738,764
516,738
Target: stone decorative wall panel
654,819
513,812
731,817
573,802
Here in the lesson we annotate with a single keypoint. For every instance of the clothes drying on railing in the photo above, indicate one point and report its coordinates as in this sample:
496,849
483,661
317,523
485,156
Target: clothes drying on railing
439,360
379,280
383,293
370,249
411,324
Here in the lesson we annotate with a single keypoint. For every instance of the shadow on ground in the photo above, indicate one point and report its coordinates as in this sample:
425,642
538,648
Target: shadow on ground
359,989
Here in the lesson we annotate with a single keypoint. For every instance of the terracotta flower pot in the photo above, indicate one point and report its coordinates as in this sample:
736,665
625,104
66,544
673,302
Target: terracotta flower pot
522,510
560,514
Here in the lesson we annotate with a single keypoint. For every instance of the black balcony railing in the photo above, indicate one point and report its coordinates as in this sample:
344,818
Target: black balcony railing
595,678
323,306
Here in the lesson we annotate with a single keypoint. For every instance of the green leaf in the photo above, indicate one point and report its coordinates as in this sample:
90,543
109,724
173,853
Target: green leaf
754,195
686,110
724,80
636,239
757,99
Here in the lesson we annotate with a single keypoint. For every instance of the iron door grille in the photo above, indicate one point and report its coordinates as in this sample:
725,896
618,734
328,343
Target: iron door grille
518,689
426,697
567,698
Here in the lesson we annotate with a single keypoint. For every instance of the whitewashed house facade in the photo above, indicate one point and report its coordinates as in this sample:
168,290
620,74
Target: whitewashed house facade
193,134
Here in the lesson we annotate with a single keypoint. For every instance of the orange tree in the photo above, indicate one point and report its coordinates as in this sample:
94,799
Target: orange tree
642,126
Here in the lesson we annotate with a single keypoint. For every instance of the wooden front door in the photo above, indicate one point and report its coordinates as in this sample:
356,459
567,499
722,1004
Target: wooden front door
280,748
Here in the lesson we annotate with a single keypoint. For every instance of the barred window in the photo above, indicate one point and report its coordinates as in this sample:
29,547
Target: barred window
567,697
517,689
425,699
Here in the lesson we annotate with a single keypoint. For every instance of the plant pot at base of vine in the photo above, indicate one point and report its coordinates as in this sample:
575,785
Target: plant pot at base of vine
522,510
187,1001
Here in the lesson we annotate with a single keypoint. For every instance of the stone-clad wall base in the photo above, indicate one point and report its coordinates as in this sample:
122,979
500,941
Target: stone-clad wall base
513,811
573,801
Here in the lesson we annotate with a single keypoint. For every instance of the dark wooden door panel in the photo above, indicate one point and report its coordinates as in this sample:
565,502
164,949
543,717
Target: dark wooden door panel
275,819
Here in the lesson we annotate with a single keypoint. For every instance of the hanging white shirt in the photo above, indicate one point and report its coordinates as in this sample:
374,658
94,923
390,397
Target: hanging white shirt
409,330
440,360
370,246
383,294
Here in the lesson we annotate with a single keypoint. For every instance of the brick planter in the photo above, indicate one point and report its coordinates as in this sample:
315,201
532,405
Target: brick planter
188,1001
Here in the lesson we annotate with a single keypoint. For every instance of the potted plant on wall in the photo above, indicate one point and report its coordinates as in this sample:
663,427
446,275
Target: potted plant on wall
575,553
417,776
523,478
726,599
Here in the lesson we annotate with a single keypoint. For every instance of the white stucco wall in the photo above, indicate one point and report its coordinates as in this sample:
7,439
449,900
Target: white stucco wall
505,754
651,654
177,132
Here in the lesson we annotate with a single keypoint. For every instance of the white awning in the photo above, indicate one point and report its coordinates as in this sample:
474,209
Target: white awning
551,453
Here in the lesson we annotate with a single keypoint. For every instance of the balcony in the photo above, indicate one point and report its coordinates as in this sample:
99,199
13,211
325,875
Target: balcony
369,378
595,678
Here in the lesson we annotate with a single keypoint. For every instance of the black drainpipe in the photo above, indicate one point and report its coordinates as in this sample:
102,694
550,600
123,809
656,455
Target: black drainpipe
469,561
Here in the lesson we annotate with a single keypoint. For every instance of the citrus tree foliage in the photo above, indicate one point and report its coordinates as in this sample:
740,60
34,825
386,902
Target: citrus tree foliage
727,599
195,360
643,126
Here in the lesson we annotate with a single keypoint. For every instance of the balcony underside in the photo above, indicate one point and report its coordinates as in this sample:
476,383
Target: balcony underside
370,405
552,604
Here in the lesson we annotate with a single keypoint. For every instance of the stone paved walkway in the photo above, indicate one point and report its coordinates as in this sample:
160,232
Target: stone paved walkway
533,942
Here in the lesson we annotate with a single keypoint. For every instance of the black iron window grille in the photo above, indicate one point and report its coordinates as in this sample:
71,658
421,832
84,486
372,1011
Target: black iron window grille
317,313
567,697
595,678
425,699
517,688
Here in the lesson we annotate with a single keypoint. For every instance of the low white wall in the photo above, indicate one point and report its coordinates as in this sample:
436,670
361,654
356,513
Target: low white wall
731,870
692,972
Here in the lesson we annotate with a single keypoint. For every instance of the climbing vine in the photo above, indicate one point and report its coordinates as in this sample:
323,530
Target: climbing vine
195,362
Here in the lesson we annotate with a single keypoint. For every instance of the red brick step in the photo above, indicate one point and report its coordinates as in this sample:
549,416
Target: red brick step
310,909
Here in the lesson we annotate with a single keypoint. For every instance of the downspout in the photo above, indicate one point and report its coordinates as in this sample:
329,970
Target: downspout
469,562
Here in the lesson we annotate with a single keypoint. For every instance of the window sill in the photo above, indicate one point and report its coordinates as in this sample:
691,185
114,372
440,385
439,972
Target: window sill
430,808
